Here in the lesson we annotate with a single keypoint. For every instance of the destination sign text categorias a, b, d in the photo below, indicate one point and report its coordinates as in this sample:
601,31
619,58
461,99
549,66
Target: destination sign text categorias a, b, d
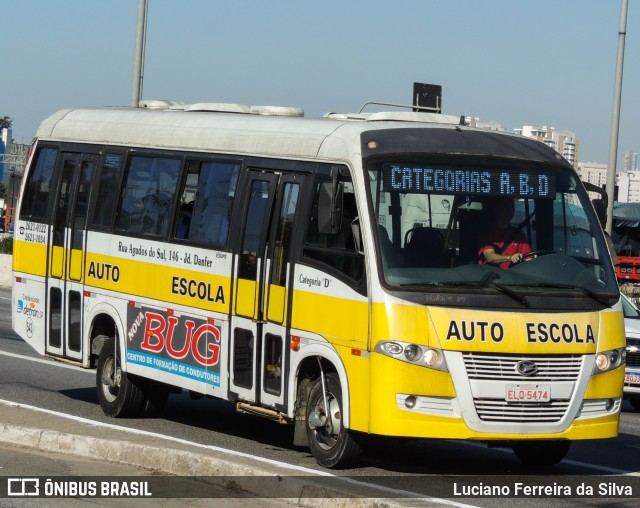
524,183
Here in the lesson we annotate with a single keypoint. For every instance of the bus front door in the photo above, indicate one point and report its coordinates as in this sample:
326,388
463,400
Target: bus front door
66,257
259,345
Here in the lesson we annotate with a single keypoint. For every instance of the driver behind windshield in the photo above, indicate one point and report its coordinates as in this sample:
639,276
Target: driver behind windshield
500,244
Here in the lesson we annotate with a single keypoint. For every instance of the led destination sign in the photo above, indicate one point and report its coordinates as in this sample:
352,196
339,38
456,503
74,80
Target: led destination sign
489,182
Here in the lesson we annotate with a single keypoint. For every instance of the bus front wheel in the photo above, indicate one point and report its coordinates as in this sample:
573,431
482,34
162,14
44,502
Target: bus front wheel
541,453
331,443
119,394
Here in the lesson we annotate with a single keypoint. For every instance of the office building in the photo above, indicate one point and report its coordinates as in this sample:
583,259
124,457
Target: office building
563,142
630,161
628,186
593,172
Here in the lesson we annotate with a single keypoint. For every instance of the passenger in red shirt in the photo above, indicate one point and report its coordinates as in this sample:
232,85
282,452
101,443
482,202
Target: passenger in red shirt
493,250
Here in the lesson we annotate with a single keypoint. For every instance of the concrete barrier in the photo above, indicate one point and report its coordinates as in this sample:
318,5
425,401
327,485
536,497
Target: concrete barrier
6,267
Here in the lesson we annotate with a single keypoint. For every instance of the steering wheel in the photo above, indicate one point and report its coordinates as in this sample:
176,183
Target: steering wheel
536,253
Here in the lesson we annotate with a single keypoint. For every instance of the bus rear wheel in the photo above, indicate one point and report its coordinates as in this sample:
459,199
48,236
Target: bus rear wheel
541,453
331,443
120,395
156,398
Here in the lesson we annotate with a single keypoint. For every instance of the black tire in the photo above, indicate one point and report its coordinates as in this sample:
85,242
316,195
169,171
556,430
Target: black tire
635,403
156,398
332,445
541,453
120,395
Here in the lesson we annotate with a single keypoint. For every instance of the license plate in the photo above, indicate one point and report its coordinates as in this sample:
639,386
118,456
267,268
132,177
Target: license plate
632,378
528,393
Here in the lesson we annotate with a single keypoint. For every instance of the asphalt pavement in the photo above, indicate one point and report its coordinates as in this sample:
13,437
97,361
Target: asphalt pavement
22,466
222,477
171,466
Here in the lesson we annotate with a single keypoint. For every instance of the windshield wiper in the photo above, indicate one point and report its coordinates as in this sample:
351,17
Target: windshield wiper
597,297
510,292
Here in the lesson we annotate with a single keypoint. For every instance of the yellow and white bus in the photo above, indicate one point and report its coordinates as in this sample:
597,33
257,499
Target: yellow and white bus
321,272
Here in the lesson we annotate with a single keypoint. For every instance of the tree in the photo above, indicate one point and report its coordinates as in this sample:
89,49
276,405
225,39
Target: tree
3,190
5,122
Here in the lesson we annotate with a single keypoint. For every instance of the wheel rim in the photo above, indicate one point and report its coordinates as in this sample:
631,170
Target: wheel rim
328,434
111,379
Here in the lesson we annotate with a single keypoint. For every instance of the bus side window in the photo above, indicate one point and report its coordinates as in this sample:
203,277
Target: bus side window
107,183
37,190
206,202
148,195
337,251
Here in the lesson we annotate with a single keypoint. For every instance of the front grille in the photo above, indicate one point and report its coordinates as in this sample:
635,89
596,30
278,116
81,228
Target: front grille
503,367
492,410
633,352
492,367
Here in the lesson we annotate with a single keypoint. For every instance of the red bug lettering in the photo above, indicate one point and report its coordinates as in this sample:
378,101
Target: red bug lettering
154,327
185,350
213,348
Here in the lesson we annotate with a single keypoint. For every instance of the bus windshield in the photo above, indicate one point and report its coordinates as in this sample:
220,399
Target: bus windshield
487,224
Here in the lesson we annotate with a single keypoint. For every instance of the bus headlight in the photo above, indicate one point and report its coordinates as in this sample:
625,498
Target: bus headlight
609,360
432,357
415,354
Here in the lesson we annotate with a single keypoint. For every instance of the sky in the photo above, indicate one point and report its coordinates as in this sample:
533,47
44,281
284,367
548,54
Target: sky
542,63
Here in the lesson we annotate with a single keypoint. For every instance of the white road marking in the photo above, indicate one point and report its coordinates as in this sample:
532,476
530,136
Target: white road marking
596,467
394,492
284,465
53,363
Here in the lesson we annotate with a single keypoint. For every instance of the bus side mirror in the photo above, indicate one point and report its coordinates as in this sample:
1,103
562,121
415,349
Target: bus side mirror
330,208
600,203
357,235
600,208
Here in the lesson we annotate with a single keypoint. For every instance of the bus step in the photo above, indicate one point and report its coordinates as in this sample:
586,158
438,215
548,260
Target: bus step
243,407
